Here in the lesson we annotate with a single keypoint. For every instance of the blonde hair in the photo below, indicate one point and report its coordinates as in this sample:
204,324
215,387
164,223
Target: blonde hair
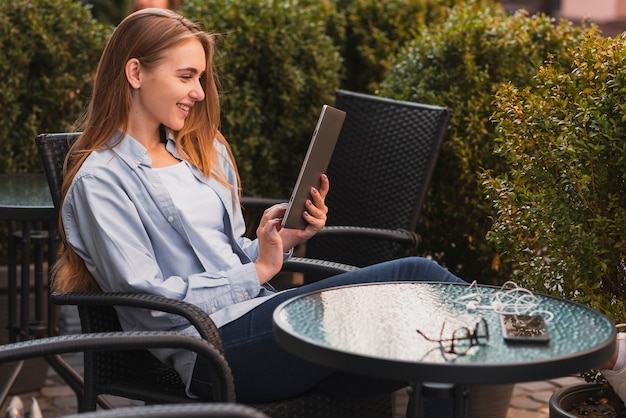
146,35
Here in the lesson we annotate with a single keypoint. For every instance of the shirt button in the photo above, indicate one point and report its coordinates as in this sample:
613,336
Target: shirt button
213,309
245,295
170,219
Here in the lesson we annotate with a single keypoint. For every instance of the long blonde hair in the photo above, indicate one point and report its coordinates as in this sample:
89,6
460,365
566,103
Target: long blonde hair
146,35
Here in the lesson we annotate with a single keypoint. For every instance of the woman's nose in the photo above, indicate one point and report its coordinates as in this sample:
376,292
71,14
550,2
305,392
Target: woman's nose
197,93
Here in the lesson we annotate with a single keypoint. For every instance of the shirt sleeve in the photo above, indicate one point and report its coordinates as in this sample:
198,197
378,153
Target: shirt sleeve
116,237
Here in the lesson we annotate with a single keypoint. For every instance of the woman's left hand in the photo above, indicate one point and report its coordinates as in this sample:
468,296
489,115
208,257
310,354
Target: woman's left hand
315,214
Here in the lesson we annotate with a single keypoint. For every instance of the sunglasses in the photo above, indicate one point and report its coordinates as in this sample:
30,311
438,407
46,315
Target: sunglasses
462,339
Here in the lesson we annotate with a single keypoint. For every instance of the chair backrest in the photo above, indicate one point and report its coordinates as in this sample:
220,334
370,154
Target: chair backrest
379,173
135,373
53,149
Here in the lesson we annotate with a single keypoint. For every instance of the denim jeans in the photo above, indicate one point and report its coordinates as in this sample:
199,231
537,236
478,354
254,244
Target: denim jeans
263,371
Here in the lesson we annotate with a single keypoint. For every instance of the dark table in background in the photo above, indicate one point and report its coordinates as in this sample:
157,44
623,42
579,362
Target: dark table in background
26,208
371,330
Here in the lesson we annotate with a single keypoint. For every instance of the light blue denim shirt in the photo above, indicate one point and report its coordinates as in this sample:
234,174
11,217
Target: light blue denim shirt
119,218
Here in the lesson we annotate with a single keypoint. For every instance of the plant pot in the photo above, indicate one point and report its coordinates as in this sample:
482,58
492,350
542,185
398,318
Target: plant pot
563,400
491,401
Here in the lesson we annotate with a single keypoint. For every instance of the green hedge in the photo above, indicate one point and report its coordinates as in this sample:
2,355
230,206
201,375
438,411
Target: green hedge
280,60
561,202
50,50
461,64
376,30
278,67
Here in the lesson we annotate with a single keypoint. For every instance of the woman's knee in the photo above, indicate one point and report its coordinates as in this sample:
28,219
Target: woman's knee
421,269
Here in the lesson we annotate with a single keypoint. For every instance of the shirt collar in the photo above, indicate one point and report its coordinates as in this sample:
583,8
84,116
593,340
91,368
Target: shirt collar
134,154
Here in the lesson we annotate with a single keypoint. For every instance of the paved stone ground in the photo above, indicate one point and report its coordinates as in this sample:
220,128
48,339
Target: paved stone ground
55,398
529,400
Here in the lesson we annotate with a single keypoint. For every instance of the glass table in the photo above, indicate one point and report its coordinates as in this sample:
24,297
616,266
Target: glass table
372,330
25,197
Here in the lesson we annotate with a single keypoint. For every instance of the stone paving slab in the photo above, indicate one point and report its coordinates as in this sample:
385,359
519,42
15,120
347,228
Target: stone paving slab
529,399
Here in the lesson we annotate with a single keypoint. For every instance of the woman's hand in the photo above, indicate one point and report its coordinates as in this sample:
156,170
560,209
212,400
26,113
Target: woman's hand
270,259
315,215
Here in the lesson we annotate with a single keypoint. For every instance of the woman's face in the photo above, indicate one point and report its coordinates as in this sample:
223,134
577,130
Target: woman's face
168,91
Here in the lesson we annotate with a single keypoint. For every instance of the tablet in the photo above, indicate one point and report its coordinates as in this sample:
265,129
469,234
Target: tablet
315,164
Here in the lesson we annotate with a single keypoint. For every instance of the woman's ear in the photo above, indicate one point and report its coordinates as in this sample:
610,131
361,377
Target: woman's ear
133,70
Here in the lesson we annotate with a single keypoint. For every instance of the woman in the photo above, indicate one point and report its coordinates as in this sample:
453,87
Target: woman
151,204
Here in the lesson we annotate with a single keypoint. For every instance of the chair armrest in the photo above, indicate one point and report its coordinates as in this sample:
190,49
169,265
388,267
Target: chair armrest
187,410
260,202
196,316
321,268
401,236
73,343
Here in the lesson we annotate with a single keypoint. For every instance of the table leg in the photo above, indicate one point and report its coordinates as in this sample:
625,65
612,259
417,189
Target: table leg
419,391
52,256
415,408
12,284
25,279
29,241
39,326
462,401
38,238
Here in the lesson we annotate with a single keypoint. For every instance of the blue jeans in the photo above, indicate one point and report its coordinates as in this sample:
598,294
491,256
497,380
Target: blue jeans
263,371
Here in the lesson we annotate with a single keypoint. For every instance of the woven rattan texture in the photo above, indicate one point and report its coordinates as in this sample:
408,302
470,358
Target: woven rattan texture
196,410
379,173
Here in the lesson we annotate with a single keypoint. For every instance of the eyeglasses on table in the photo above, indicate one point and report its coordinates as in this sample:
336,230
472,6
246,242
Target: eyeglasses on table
462,339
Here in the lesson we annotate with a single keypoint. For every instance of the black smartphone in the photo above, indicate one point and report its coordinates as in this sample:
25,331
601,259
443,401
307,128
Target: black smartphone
524,328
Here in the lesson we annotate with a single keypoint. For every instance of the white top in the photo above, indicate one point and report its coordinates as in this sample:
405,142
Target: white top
204,210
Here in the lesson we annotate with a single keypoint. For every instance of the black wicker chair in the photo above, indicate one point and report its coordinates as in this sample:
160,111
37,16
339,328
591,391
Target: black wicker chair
379,173
125,342
138,374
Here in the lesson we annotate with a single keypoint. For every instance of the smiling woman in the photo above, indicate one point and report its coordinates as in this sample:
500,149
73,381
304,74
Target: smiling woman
150,204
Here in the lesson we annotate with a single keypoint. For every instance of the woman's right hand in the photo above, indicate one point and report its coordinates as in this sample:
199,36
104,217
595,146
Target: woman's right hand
270,259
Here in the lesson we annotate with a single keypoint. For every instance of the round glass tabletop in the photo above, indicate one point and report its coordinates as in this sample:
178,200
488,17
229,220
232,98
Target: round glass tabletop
374,329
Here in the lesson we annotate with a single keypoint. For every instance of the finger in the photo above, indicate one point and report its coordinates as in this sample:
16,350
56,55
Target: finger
324,186
315,210
268,237
314,223
316,204
275,211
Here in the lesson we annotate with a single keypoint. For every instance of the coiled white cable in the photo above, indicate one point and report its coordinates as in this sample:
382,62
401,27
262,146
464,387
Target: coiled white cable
510,299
